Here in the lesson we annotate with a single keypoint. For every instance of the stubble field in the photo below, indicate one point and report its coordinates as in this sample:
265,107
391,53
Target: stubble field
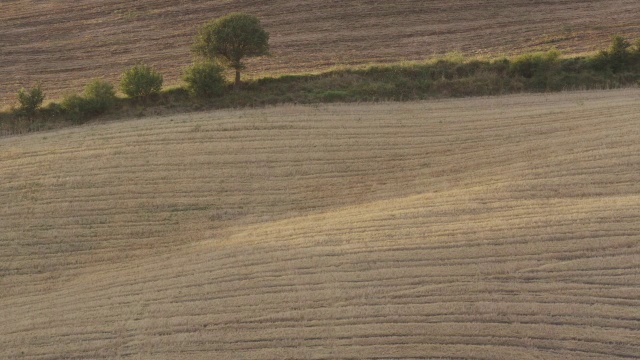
488,228
64,44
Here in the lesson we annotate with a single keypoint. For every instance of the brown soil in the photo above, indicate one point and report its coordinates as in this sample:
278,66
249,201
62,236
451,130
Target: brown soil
482,228
63,44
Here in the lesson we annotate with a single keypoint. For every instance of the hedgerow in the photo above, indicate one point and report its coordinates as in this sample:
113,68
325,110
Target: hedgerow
450,76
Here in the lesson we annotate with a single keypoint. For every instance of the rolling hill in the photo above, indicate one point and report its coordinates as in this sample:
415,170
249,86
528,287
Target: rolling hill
64,44
485,228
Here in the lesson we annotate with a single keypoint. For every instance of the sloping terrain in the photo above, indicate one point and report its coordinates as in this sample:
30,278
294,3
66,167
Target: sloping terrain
479,228
63,44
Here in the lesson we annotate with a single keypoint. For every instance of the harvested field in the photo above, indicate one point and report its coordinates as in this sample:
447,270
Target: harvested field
486,228
64,44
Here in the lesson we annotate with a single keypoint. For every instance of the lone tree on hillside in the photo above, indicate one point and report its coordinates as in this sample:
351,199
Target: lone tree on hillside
230,39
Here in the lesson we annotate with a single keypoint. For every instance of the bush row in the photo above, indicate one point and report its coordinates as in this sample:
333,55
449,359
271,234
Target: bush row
139,83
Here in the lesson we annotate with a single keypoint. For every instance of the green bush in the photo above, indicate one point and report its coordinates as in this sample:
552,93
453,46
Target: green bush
532,64
140,81
499,66
574,65
205,79
618,53
100,95
30,101
619,47
76,108
619,57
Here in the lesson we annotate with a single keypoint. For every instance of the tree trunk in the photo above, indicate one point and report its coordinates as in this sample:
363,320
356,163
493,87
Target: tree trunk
236,85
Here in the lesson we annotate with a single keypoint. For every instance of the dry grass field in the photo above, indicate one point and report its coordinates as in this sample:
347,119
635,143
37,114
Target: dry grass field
63,44
486,228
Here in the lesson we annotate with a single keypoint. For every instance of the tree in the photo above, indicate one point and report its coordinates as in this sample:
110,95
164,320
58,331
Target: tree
230,39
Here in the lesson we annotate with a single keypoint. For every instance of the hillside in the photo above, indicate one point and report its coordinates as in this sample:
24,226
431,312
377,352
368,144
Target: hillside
477,228
63,44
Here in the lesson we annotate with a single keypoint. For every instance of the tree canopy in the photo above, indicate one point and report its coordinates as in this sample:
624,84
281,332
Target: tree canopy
230,39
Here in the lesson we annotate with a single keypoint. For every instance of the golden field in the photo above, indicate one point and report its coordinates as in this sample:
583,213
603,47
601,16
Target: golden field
485,228
64,44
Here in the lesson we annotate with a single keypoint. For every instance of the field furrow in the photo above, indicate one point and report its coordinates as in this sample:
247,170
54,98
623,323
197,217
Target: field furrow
461,229
63,44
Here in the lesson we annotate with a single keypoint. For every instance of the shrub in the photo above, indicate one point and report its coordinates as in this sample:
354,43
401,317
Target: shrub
616,58
442,69
619,47
205,79
53,108
76,108
500,66
532,64
30,101
100,95
619,53
140,81
574,65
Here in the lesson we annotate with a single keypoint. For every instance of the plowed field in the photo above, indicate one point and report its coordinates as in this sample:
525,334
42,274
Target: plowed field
487,228
63,44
